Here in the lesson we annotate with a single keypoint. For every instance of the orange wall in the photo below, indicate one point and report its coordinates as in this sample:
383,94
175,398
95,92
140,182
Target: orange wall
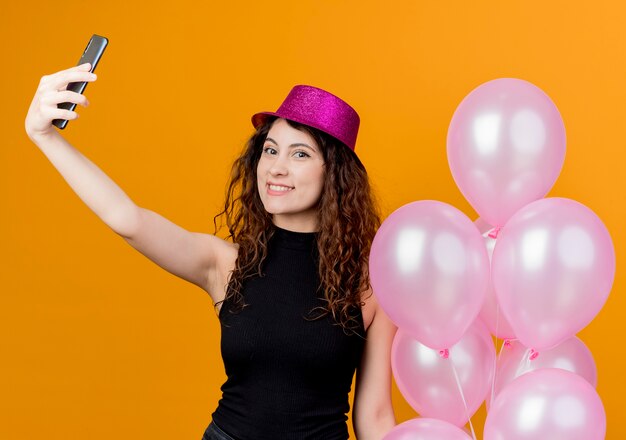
97,341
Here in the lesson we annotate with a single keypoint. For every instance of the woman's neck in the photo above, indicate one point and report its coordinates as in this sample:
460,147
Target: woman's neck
296,224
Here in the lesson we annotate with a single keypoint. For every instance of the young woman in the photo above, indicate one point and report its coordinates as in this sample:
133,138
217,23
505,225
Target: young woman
291,287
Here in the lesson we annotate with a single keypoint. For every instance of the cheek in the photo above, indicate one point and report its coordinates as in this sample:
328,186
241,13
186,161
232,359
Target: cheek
319,179
260,170
259,178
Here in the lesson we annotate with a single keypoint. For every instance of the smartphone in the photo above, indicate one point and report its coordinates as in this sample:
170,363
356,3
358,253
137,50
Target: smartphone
92,54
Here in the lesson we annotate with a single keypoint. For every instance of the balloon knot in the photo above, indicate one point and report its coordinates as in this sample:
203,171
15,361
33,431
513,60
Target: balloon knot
494,232
445,353
533,354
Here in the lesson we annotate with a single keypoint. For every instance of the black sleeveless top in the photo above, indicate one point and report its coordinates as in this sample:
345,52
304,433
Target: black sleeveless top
287,378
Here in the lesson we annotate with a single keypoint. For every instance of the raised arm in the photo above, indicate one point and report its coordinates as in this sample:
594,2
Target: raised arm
188,255
93,187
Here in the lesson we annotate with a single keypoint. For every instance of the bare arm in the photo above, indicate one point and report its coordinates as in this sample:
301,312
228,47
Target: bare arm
103,196
191,256
92,185
373,415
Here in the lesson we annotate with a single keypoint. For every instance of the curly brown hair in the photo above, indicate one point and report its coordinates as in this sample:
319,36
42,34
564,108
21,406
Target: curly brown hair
348,220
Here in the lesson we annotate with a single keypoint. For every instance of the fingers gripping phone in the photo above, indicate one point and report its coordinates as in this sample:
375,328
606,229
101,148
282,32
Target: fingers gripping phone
92,54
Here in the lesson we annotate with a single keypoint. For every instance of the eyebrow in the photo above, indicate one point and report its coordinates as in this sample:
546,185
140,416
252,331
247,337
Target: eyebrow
292,145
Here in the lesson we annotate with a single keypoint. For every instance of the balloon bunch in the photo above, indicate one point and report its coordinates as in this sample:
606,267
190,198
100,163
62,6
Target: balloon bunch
532,271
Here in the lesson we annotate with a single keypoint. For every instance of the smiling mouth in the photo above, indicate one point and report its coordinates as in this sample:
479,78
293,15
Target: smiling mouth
279,188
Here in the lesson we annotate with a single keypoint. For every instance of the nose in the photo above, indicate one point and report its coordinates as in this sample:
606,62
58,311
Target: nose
279,166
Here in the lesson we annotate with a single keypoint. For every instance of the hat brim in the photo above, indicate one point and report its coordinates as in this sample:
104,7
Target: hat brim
259,118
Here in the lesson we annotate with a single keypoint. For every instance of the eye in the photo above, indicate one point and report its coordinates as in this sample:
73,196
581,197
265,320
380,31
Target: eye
301,154
267,150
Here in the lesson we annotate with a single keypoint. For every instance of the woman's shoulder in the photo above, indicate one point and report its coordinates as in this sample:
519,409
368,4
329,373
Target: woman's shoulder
226,254
368,309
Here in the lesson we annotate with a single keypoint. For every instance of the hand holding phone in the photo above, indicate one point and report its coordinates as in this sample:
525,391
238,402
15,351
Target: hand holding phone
92,54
